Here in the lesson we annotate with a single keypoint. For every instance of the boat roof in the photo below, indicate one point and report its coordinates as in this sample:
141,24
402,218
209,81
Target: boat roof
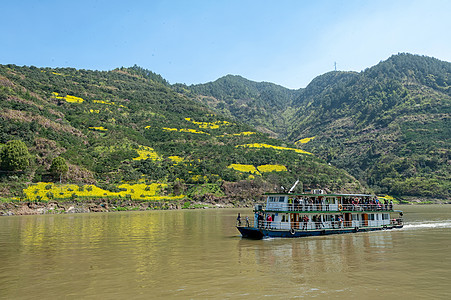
323,195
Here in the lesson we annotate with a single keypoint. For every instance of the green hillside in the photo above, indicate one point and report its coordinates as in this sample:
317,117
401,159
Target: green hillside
389,125
262,104
128,134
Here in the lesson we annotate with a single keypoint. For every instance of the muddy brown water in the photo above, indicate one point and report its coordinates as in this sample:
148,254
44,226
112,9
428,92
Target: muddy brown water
199,254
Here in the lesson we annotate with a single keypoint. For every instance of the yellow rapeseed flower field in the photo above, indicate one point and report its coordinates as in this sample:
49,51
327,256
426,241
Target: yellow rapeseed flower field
272,168
184,130
47,191
245,133
69,98
244,168
146,153
305,140
257,145
176,159
107,103
208,125
100,128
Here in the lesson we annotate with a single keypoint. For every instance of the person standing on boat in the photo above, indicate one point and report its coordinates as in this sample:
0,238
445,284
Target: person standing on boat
238,220
268,221
247,221
260,220
304,226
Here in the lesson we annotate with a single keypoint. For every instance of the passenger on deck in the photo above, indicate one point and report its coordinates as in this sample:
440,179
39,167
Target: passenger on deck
238,220
260,220
296,204
340,221
317,220
268,221
304,222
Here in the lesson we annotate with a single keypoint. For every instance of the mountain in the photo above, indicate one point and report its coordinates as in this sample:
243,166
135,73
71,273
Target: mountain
262,104
127,133
388,125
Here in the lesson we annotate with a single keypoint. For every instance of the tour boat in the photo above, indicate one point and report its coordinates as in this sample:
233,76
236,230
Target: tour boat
317,213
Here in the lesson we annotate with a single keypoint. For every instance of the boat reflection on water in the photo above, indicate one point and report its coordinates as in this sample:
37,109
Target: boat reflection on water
323,265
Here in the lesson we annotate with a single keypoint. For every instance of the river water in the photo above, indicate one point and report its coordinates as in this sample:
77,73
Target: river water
197,254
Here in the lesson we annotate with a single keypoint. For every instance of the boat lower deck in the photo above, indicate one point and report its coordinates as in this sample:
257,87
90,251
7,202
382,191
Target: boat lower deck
259,233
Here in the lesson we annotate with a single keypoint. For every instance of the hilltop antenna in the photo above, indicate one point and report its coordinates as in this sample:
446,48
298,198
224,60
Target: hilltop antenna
335,65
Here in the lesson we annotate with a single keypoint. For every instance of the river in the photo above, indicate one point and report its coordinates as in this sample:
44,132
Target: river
197,254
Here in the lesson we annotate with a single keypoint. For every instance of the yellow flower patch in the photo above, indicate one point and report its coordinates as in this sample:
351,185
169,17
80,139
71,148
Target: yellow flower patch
94,111
69,98
199,178
184,130
272,168
208,125
107,103
176,159
100,128
244,168
386,197
256,145
305,140
146,153
141,191
192,131
245,133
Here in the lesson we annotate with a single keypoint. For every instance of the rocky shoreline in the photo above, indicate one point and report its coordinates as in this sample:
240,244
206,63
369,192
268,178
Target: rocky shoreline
108,205
68,207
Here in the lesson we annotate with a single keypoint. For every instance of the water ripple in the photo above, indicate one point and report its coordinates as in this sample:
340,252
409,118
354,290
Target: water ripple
429,224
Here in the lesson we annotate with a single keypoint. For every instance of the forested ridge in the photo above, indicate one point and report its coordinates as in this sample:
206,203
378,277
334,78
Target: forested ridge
129,134
388,125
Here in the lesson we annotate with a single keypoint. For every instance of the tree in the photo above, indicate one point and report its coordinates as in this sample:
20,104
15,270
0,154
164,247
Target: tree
59,167
14,156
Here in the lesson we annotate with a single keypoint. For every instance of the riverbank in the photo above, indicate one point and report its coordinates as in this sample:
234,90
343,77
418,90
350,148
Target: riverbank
110,205
89,206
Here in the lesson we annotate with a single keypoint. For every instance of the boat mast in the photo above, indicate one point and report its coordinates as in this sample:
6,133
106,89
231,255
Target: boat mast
293,187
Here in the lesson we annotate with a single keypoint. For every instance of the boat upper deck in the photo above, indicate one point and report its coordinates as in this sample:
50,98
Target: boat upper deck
310,203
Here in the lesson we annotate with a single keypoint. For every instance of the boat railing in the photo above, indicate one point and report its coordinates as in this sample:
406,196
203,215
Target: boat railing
321,225
305,207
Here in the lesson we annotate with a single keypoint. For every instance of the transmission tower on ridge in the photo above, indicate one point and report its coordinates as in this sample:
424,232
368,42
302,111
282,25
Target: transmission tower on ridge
335,65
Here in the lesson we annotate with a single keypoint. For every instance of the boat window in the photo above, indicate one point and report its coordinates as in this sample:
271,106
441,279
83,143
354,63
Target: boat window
385,217
371,217
282,199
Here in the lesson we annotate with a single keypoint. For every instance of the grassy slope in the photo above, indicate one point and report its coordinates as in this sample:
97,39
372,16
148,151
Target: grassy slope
120,115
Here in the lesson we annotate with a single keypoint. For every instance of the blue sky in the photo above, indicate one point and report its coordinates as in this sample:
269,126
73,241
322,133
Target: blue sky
284,42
